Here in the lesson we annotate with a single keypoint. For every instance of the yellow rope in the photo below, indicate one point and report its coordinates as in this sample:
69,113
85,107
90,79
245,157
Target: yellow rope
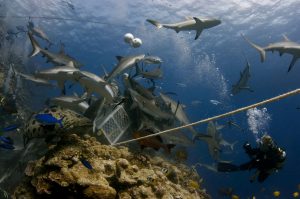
279,97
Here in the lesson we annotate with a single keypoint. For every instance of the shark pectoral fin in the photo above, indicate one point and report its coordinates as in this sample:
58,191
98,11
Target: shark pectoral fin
292,63
198,33
199,24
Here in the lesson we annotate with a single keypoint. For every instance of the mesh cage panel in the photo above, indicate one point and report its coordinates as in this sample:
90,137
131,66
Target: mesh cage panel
114,125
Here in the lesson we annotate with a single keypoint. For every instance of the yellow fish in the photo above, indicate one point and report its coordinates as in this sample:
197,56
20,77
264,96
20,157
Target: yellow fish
296,194
276,194
235,197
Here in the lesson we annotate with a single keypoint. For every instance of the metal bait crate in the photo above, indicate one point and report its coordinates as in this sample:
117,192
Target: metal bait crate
113,125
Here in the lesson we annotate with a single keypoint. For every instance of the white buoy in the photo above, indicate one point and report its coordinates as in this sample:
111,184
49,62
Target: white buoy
136,42
128,38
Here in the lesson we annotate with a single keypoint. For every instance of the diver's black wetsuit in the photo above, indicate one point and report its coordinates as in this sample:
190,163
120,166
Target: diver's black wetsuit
265,160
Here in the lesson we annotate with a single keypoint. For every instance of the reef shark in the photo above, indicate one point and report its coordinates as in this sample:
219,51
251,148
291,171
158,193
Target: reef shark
192,23
149,106
177,109
74,103
95,84
131,83
58,73
124,63
156,73
243,81
56,58
285,46
38,32
215,141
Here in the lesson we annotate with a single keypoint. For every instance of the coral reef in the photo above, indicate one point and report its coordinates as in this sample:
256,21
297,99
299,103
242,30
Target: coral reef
112,172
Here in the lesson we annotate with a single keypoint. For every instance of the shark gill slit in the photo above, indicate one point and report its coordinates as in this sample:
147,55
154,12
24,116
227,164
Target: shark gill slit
267,101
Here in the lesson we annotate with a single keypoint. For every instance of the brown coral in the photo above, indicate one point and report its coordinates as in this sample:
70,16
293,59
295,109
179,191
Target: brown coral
115,173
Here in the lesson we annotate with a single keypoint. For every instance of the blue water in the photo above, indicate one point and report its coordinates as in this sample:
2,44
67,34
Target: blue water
205,69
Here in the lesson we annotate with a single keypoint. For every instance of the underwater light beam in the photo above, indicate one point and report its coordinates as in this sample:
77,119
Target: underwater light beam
267,101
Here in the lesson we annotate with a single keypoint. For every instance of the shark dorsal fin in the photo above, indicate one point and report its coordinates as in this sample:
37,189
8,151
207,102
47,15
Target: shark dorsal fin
197,20
119,57
285,38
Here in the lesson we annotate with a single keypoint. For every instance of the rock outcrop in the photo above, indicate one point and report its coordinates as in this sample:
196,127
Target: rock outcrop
83,168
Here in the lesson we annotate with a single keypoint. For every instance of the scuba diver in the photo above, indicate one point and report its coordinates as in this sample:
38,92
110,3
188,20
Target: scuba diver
266,159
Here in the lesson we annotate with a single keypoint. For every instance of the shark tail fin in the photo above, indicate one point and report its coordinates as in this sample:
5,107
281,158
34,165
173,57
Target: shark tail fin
155,23
36,48
261,51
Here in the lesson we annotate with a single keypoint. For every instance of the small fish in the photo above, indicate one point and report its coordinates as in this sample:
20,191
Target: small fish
152,142
6,143
6,140
235,197
276,194
11,127
86,164
48,119
296,194
225,191
195,102
7,146
182,85
215,102
181,155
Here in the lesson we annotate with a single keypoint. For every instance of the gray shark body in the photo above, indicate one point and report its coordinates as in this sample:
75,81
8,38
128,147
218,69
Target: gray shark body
285,46
73,103
192,23
57,58
60,73
124,63
152,60
36,80
39,33
180,115
131,83
95,84
242,83
149,106
215,141
156,73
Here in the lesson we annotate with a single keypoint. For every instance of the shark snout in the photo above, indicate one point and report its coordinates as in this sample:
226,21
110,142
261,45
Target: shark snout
216,22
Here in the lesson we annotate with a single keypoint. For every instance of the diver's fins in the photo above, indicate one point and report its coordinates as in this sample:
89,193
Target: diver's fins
227,167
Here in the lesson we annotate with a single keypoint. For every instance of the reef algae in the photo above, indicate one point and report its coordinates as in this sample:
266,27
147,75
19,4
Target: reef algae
116,173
